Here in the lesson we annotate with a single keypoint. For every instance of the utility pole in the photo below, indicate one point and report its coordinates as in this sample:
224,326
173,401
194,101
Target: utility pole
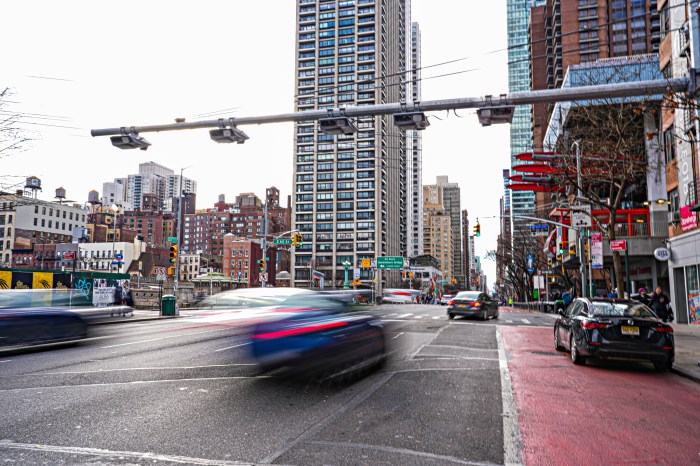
179,229
264,247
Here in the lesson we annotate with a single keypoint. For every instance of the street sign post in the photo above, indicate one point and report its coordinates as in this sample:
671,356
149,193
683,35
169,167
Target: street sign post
282,241
263,277
390,263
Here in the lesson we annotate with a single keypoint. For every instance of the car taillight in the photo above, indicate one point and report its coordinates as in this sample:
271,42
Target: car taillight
451,302
476,304
591,325
664,329
299,330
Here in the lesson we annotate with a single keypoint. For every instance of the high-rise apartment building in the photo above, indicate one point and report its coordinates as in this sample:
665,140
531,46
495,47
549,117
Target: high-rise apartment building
350,191
438,240
451,203
414,149
153,178
569,32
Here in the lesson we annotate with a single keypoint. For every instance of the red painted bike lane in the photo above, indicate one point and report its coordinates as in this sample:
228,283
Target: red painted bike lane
612,413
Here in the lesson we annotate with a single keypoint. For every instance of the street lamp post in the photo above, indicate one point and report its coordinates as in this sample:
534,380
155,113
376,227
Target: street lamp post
176,276
579,193
346,266
114,235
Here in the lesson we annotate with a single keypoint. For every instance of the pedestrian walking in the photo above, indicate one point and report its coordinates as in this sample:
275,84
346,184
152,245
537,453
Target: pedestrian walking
660,303
643,297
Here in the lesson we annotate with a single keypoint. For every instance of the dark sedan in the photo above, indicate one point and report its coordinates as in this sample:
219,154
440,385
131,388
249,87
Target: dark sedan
611,328
472,304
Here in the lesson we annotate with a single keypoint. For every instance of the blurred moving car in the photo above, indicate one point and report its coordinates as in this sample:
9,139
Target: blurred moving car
247,298
399,296
318,333
472,304
26,319
444,301
614,328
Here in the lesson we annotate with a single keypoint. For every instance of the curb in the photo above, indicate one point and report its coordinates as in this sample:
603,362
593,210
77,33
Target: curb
685,373
138,319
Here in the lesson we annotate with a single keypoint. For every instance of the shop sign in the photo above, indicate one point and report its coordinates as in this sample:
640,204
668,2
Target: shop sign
689,220
662,254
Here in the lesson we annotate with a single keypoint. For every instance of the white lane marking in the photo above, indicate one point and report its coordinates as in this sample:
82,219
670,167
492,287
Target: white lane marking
418,317
464,348
6,360
525,321
403,451
509,321
124,369
231,347
430,357
404,315
163,338
115,454
397,336
137,382
391,320
436,317
512,441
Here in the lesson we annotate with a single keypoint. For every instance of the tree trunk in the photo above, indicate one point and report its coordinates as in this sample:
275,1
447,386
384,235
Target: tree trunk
617,261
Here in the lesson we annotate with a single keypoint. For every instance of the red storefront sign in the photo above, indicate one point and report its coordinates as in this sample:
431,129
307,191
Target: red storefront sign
618,245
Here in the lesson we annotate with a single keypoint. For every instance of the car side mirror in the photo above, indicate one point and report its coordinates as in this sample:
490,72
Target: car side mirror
560,312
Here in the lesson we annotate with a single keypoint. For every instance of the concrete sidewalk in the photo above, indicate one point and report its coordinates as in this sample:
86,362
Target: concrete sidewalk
687,361
136,316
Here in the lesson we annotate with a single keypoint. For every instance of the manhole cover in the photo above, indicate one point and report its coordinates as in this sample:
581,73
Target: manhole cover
545,353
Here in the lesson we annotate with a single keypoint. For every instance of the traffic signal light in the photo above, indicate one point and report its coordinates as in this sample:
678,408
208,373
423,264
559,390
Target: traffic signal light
170,270
294,240
562,248
262,264
454,281
300,239
410,275
477,229
572,249
587,250
173,254
549,262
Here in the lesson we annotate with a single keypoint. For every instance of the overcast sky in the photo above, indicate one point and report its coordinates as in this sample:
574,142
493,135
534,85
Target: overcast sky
80,65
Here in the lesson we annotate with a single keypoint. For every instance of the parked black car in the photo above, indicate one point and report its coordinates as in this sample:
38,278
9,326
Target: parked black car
472,304
614,328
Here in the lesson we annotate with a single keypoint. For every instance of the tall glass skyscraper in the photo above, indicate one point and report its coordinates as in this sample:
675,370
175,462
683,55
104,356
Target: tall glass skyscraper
522,202
350,191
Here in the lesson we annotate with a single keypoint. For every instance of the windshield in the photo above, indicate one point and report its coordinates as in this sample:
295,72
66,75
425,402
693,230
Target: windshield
620,310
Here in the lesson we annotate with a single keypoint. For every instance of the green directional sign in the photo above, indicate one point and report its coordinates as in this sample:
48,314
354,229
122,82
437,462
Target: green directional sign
172,239
390,263
282,241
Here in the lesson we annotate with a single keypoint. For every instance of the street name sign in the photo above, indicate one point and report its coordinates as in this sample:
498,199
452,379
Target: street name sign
540,229
172,239
282,241
390,263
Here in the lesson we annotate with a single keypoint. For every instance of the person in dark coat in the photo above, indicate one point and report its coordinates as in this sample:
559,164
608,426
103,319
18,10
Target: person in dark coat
643,297
660,303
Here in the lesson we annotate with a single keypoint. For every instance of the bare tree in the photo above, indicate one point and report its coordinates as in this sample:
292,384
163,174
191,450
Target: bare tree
12,138
612,141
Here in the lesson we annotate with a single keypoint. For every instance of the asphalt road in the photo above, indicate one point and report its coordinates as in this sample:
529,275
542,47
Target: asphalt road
183,391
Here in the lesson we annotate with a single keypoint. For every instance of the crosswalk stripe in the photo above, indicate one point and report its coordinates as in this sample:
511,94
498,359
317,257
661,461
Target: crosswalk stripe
418,317
509,321
436,317
525,321
404,315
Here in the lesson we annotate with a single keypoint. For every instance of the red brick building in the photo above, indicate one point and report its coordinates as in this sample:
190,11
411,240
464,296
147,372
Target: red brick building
241,257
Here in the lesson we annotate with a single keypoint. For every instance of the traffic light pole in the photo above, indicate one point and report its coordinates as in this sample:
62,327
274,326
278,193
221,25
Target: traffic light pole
263,283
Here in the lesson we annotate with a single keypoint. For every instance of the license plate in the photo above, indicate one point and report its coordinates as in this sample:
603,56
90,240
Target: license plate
630,330
462,305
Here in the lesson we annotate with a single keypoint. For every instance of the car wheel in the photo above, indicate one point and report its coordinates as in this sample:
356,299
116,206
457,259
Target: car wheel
576,358
486,315
557,343
663,365
451,316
